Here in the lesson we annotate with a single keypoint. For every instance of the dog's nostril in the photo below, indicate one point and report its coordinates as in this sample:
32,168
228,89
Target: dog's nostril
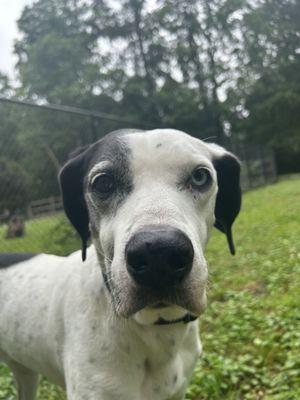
136,260
159,256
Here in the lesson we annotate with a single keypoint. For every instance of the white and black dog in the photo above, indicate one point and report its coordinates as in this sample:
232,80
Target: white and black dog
123,324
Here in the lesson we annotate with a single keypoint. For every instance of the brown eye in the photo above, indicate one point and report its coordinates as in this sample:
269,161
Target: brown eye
103,184
200,178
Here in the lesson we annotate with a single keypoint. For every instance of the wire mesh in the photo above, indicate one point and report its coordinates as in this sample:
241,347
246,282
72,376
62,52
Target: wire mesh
35,143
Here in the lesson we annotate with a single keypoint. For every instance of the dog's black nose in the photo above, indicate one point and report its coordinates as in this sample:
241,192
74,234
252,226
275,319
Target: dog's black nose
159,256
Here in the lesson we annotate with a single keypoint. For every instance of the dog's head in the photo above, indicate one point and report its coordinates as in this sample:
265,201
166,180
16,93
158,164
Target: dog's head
149,201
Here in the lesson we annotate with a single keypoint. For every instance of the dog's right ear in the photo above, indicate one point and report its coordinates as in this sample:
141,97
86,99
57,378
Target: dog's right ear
228,201
71,178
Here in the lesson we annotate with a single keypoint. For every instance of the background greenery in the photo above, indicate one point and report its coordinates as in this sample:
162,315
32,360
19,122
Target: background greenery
251,328
212,68
209,67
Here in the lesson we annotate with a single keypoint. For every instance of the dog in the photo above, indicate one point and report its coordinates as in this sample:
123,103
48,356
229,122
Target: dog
118,320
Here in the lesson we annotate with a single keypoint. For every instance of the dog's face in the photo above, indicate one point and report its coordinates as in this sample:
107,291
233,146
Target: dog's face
149,201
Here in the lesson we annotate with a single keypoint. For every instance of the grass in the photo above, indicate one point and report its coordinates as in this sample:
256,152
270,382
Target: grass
45,235
251,329
34,240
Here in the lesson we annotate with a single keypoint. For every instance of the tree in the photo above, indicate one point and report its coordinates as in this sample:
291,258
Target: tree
55,54
140,50
203,46
265,104
207,67
5,87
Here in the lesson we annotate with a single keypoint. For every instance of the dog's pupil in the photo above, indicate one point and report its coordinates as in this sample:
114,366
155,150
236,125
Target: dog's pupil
200,175
103,183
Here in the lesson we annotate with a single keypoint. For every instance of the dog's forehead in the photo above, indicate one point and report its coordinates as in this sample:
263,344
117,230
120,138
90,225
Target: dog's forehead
165,147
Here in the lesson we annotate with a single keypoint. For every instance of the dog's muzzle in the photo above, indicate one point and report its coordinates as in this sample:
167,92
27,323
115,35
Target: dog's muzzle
159,257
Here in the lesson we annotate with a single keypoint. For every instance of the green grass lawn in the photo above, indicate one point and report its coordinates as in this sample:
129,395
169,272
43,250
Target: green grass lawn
44,235
35,240
251,329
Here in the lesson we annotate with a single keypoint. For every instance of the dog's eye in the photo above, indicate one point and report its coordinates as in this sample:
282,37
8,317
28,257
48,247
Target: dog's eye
103,184
200,177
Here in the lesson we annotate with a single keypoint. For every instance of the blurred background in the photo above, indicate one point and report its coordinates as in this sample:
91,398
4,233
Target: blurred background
226,71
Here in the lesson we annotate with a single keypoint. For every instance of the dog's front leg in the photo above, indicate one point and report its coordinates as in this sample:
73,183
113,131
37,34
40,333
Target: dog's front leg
93,394
27,381
92,386
83,394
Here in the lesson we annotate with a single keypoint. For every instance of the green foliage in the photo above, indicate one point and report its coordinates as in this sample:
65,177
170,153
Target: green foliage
251,328
71,50
46,390
4,84
55,54
274,105
270,89
52,235
198,66
65,239
7,388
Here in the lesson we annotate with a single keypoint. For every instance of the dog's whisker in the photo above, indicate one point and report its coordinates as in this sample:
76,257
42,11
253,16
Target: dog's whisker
209,138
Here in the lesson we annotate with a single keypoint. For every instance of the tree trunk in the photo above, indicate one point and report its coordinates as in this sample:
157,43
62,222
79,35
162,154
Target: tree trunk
217,111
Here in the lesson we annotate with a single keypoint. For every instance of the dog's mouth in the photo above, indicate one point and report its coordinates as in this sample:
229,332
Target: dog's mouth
130,299
186,319
159,305
164,314
172,306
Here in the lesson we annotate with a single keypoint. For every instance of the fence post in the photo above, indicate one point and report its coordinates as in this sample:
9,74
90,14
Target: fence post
29,212
246,166
52,203
262,163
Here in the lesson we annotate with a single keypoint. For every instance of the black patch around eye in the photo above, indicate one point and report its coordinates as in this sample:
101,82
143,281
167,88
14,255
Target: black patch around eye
103,185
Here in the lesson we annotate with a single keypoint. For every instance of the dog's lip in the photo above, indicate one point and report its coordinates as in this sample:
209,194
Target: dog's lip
188,317
159,304
138,298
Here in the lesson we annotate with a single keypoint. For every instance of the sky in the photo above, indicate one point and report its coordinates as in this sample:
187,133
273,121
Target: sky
10,11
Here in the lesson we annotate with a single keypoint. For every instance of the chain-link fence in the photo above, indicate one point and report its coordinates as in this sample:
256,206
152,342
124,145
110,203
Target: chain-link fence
34,144
258,163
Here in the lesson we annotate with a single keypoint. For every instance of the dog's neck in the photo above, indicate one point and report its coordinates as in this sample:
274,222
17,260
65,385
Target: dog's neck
158,343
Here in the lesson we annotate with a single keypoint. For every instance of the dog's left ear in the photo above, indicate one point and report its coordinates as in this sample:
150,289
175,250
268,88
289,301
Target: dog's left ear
71,178
228,202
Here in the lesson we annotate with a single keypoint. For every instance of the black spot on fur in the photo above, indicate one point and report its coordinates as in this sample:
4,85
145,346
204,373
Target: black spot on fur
10,259
158,145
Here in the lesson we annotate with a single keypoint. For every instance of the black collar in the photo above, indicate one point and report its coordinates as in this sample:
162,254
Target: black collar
186,319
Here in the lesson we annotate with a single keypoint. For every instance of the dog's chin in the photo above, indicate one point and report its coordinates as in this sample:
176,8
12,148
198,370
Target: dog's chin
167,314
147,307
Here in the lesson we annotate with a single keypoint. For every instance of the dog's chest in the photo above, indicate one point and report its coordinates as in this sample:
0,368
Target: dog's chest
159,366
165,381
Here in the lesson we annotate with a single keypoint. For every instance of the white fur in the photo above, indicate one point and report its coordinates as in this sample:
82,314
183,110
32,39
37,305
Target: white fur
57,317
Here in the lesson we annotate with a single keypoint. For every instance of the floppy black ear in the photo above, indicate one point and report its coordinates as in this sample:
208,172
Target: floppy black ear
71,179
228,202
